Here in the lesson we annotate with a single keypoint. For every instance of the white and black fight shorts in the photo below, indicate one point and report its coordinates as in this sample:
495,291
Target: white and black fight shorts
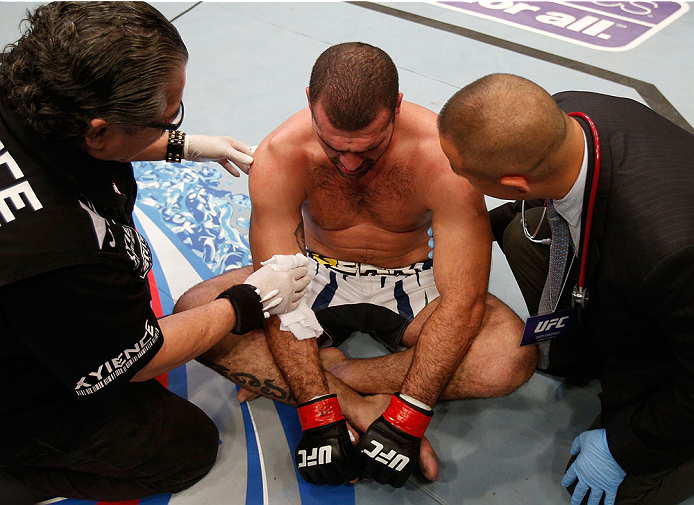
381,302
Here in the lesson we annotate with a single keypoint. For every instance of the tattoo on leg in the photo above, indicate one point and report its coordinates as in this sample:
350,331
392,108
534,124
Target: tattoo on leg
300,238
244,379
266,388
270,389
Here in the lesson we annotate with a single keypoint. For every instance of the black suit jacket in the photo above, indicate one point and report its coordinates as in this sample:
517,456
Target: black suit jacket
640,273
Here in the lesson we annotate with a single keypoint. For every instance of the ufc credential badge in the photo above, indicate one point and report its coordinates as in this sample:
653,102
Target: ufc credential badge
562,323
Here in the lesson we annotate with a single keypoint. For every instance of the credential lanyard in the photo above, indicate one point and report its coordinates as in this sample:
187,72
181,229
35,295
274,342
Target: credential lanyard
555,324
579,296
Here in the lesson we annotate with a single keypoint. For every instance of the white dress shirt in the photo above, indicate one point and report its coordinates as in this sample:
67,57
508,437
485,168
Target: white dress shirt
571,206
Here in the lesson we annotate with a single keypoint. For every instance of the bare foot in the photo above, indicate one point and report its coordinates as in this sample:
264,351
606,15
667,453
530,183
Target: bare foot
331,356
427,460
367,411
244,395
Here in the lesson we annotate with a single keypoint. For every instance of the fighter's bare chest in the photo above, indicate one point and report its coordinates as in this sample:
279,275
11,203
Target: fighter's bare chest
390,201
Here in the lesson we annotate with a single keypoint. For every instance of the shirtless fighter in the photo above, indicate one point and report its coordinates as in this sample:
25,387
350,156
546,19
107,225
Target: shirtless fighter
354,181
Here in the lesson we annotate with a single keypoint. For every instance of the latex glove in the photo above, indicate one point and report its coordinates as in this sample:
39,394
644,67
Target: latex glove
595,469
430,232
280,292
223,150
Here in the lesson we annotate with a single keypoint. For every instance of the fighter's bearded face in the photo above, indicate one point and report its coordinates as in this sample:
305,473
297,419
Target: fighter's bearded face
353,153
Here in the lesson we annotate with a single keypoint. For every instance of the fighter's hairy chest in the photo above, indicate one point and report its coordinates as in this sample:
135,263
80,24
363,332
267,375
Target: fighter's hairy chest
390,198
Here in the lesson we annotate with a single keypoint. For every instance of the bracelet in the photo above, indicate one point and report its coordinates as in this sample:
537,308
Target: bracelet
174,146
248,307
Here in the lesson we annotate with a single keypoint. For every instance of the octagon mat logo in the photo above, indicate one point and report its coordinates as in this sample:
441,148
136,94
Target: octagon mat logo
607,26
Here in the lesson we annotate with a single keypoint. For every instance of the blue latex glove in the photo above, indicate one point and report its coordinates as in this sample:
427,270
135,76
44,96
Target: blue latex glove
430,232
595,469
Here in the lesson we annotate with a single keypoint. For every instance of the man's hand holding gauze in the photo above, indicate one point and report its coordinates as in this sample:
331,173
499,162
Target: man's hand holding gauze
280,290
300,320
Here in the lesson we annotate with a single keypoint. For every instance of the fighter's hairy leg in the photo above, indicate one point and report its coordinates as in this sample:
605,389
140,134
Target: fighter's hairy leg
428,462
247,361
260,376
495,365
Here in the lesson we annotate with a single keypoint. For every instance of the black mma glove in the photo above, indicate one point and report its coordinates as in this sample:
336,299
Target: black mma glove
247,305
389,450
325,454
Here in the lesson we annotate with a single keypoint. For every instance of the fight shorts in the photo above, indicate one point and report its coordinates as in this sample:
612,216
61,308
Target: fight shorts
381,302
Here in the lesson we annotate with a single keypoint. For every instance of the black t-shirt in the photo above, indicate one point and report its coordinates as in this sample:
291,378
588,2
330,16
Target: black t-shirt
75,315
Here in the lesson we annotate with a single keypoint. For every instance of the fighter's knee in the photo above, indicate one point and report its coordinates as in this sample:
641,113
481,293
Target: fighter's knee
501,319
509,378
516,364
521,366
189,299
524,366
183,303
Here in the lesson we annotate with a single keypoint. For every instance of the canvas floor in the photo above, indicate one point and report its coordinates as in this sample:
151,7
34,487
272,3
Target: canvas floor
249,66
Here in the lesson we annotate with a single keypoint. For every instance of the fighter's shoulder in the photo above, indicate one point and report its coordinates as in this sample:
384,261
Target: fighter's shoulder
420,123
280,161
289,146
421,132
435,172
418,116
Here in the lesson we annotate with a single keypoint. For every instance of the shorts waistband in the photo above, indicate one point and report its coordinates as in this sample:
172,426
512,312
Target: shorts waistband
352,268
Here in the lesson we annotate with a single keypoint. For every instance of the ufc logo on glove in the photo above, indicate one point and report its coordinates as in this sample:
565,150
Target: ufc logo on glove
322,458
389,450
325,454
392,459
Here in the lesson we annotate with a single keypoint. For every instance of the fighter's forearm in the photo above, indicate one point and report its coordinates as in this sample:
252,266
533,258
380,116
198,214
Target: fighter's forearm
298,361
444,340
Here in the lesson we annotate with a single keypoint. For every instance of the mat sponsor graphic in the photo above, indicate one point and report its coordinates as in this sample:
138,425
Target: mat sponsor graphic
206,213
603,25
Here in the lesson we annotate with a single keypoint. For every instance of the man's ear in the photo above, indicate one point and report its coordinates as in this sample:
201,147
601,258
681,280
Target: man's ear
517,182
96,139
308,97
397,107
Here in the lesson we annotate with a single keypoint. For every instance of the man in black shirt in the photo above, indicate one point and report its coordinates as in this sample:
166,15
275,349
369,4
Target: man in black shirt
90,87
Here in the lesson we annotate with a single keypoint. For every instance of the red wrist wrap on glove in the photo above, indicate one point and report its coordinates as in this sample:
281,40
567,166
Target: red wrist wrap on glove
409,419
319,412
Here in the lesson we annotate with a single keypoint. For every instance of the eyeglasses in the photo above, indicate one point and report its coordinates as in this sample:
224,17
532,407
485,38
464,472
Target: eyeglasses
170,126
